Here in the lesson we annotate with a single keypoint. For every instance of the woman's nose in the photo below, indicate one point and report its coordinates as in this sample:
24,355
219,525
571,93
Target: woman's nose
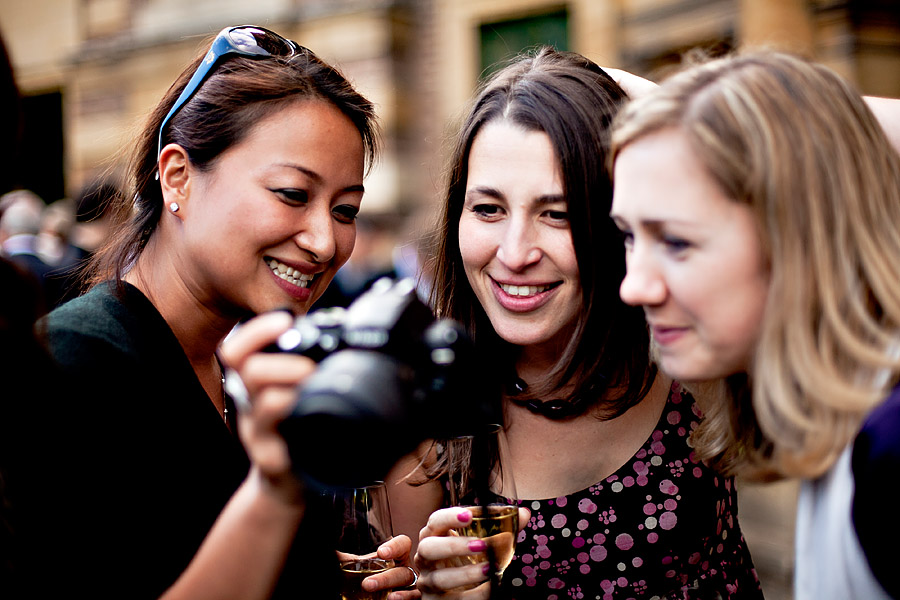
519,247
643,284
316,235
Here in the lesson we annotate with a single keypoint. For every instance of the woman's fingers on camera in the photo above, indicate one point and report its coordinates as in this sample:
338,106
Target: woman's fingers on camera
253,336
262,370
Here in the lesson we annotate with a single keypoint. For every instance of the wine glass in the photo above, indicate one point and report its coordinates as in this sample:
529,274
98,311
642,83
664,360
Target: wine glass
363,516
481,480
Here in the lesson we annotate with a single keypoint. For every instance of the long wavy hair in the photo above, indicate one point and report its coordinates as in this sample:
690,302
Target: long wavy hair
234,98
798,145
572,100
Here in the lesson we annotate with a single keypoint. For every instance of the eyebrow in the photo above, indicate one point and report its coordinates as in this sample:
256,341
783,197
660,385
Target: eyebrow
652,224
358,187
494,193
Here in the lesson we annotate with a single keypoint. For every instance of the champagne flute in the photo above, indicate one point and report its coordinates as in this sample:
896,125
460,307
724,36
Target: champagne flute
363,516
481,480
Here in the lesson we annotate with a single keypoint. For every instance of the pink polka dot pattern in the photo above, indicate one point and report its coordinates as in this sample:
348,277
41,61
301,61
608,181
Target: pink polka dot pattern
662,523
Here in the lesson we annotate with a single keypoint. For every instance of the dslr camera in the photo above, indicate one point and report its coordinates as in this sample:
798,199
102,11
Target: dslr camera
390,376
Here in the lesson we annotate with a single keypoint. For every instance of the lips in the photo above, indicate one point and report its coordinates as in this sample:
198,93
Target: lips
523,297
523,290
290,279
665,335
289,274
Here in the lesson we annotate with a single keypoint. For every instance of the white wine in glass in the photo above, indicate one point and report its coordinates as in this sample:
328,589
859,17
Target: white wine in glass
498,526
354,571
364,519
481,481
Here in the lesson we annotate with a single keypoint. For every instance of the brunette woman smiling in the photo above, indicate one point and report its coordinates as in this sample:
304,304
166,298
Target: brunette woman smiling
245,184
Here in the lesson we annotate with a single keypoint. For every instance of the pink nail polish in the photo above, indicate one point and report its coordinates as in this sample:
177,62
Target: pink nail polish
486,569
477,546
464,517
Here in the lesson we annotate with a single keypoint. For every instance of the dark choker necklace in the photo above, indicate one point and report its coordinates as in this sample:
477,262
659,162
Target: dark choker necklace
556,410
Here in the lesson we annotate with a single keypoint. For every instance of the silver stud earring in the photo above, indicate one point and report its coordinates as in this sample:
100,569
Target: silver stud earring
174,207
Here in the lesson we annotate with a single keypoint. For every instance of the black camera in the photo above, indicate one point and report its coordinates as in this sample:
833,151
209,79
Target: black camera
390,376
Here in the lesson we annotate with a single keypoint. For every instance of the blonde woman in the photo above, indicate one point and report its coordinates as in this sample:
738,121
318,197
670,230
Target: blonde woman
760,202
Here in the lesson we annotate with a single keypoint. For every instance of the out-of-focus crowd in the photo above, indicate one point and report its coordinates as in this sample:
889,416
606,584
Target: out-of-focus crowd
50,241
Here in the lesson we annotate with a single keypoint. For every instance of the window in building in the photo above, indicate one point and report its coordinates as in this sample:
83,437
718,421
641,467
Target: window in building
104,18
502,40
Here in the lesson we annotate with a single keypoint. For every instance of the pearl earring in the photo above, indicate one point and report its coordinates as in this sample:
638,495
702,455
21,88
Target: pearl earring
174,207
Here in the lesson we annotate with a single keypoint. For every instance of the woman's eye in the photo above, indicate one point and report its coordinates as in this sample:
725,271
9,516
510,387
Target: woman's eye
486,210
627,238
293,196
675,244
345,213
558,215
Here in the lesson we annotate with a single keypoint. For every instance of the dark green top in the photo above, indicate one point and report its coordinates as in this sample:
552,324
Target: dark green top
156,462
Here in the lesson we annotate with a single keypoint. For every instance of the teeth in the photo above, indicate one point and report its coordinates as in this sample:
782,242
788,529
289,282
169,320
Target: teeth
523,290
289,274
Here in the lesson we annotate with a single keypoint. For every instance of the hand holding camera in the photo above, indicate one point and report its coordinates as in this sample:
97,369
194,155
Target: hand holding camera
390,375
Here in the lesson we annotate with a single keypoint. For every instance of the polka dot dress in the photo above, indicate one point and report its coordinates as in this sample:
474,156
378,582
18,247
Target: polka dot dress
663,526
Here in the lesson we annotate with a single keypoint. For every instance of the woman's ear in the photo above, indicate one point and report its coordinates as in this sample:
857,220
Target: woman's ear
174,177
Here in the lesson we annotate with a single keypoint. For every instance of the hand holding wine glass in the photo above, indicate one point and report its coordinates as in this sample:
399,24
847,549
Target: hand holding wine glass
366,546
474,540
488,490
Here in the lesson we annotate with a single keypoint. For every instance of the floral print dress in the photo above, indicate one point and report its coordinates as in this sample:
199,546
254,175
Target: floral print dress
663,526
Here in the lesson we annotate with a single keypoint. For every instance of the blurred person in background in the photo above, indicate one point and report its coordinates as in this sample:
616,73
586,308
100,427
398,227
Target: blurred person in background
56,249
93,217
20,223
370,261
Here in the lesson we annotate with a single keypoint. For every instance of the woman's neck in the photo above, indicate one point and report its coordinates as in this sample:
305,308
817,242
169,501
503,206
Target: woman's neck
535,363
197,325
555,458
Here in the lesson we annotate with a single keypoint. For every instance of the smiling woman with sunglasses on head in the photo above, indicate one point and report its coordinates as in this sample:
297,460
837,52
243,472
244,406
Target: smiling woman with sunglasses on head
245,185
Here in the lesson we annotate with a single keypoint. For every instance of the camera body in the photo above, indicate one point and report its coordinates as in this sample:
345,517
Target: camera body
390,376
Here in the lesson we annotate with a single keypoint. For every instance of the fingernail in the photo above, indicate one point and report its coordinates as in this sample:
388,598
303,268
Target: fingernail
477,546
464,517
486,569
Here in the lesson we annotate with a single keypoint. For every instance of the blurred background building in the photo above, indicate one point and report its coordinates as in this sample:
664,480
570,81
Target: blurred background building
90,70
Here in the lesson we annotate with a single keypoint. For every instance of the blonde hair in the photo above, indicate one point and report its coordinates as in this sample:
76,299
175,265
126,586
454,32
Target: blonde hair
798,144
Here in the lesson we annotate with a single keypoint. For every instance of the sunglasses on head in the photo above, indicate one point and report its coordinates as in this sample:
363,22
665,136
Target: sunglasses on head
244,40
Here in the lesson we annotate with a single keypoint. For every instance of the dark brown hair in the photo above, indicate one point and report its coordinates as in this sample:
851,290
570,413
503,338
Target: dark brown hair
236,96
573,101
